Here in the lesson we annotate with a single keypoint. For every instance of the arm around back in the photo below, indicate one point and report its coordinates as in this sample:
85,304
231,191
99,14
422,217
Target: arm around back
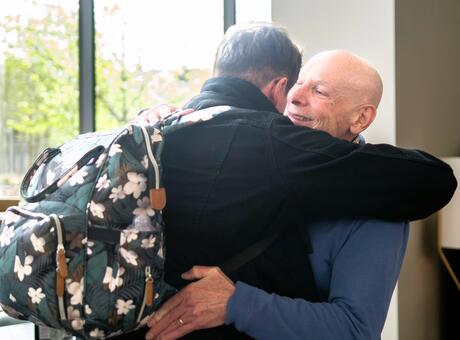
336,178
356,265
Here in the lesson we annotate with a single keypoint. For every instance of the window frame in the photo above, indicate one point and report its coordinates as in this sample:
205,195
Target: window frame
87,74
87,59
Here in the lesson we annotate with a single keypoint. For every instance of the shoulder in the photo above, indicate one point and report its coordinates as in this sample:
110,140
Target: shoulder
247,117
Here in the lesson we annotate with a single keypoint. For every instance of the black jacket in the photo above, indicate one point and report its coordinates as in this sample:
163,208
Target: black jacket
229,178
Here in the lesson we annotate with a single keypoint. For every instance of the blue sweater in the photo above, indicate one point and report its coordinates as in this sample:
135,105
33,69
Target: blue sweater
355,264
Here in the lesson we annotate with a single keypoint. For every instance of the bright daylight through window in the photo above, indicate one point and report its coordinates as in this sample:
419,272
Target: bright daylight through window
38,82
147,52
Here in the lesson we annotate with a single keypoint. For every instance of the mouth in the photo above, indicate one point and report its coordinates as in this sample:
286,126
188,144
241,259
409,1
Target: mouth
300,118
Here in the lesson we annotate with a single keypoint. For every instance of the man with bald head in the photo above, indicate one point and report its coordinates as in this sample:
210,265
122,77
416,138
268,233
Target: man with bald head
249,174
336,92
355,263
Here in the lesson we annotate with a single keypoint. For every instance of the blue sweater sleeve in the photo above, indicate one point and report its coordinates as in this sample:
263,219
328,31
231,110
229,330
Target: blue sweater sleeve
364,267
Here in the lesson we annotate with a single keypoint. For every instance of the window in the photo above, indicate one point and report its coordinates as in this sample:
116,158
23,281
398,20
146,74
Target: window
253,11
150,52
147,52
38,82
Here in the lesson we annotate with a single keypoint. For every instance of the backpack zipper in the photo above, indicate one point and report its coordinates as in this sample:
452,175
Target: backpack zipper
151,157
148,293
61,264
157,194
61,267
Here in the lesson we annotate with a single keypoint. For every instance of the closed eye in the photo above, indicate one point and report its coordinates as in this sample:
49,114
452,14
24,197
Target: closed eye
319,91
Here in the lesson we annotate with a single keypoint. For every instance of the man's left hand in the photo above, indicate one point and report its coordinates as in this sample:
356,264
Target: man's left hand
201,304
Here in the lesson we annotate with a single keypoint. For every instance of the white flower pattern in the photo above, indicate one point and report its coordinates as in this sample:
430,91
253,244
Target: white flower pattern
97,333
97,209
23,270
100,160
115,148
36,295
144,208
148,242
89,245
103,183
156,137
78,177
6,236
38,243
88,310
74,316
123,307
10,217
137,183
129,256
113,282
117,194
145,162
128,235
76,290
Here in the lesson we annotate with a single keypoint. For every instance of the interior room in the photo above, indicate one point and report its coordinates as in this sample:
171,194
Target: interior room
77,66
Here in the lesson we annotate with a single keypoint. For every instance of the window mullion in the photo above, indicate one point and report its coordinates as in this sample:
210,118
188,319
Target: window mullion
87,66
229,14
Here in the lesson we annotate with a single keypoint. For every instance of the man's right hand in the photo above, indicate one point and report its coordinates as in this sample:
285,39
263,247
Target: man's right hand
201,304
156,113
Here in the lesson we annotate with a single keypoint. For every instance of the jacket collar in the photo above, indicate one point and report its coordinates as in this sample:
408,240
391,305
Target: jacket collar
234,92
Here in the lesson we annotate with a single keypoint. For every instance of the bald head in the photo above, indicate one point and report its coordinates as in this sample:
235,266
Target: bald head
337,92
357,78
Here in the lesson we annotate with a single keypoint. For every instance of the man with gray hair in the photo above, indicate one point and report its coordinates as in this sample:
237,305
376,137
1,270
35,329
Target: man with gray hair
233,179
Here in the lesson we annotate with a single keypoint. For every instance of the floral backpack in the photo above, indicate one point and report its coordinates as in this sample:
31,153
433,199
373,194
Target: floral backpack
85,251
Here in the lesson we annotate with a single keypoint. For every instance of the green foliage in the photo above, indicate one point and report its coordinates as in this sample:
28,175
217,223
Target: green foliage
41,77
39,90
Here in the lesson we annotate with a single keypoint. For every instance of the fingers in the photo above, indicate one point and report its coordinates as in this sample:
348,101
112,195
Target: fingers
163,109
154,114
199,272
201,304
177,332
167,321
186,112
167,314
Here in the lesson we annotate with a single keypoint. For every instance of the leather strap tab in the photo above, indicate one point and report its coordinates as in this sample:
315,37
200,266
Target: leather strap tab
158,198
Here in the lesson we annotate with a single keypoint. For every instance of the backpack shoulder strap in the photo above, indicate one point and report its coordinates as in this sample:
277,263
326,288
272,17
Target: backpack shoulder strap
178,120
284,220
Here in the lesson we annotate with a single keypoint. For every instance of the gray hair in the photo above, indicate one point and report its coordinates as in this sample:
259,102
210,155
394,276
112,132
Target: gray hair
258,53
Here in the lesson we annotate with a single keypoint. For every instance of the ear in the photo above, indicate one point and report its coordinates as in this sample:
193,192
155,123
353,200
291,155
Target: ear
364,117
276,92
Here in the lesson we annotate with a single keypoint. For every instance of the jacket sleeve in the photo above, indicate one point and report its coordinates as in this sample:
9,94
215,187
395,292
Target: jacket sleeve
336,178
364,271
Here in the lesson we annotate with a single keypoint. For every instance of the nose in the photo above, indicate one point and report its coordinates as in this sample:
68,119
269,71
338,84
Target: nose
298,95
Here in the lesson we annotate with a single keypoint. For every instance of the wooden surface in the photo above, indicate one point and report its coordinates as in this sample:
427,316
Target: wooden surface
7,202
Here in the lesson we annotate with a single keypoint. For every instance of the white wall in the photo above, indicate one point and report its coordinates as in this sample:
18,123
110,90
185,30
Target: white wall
364,27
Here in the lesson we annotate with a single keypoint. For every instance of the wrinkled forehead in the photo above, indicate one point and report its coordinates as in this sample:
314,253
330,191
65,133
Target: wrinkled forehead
325,73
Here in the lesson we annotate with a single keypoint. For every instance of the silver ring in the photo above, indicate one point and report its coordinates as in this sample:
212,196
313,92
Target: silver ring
181,322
